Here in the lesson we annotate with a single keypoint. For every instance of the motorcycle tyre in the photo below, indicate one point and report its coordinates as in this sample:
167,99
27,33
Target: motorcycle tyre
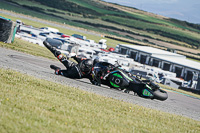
160,94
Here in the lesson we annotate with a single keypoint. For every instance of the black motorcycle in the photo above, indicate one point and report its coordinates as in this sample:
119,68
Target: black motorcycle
115,77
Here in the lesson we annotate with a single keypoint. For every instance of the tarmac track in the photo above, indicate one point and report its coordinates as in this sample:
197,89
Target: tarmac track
39,67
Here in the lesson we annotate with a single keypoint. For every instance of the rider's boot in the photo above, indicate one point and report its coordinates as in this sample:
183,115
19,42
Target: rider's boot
55,52
52,49
58,54
57,69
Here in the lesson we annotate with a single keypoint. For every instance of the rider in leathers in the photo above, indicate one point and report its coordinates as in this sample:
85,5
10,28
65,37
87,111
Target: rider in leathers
73,70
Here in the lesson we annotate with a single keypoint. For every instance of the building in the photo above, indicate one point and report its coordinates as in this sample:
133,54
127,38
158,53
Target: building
184,68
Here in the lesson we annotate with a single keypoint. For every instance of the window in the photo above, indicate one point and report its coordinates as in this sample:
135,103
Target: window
133,55
81,51
123,51
189,76
89,52
178,71
143,59
166,66
155,63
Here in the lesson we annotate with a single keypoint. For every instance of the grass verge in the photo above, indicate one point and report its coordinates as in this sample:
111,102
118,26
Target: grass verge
28,104
29,48
180,91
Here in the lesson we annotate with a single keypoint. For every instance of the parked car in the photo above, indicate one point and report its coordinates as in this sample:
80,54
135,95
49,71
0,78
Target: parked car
59,33
62,40
111,49
49,29
65,36
55,43
79,36
44,34
28,32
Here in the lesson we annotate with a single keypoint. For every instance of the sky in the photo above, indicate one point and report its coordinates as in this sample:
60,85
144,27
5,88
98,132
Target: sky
186,10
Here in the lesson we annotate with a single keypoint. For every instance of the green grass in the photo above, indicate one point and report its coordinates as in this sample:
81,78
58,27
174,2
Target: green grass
179,90
29,48
194,60
28,104
143,26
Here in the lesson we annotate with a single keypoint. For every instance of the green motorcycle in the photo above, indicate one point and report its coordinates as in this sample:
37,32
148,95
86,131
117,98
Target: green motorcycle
115,77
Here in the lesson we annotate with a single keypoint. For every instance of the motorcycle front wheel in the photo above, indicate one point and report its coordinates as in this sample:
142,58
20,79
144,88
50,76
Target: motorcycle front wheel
160,94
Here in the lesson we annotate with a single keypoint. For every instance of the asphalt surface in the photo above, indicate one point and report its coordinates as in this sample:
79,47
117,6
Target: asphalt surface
39,67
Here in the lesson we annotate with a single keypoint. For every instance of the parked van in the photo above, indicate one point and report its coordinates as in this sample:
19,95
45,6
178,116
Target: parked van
87,52
102,44
92,43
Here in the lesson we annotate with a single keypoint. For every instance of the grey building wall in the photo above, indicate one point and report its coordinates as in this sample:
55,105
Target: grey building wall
138,56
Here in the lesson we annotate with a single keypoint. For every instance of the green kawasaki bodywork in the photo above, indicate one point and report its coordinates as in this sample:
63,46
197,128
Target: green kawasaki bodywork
118,75
146,92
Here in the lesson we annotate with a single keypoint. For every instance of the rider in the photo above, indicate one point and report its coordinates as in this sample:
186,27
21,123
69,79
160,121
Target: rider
74,70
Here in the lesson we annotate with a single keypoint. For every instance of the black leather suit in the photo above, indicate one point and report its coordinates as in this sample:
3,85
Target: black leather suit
82,69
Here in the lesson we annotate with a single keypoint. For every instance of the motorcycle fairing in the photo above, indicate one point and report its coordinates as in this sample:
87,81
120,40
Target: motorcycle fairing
146,92
148,87
125,76
118,79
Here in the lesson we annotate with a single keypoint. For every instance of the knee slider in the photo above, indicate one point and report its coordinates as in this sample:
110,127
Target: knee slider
60,57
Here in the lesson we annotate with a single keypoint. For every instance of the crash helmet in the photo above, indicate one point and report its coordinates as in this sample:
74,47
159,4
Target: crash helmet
86,65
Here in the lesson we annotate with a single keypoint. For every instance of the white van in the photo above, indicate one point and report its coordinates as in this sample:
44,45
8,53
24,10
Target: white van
102,44
86,51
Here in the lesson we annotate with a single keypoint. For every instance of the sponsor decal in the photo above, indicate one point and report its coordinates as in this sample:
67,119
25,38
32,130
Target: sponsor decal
146,93
114,85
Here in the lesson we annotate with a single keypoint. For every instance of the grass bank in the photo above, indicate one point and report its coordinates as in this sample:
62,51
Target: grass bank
29,48
28,104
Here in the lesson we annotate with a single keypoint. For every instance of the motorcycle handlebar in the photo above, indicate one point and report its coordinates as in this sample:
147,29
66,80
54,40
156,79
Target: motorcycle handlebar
115,67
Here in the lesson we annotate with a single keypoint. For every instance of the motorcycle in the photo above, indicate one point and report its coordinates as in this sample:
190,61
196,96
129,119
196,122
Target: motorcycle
115,77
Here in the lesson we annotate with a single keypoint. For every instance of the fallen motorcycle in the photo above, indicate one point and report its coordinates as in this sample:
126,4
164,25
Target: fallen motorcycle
115,77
